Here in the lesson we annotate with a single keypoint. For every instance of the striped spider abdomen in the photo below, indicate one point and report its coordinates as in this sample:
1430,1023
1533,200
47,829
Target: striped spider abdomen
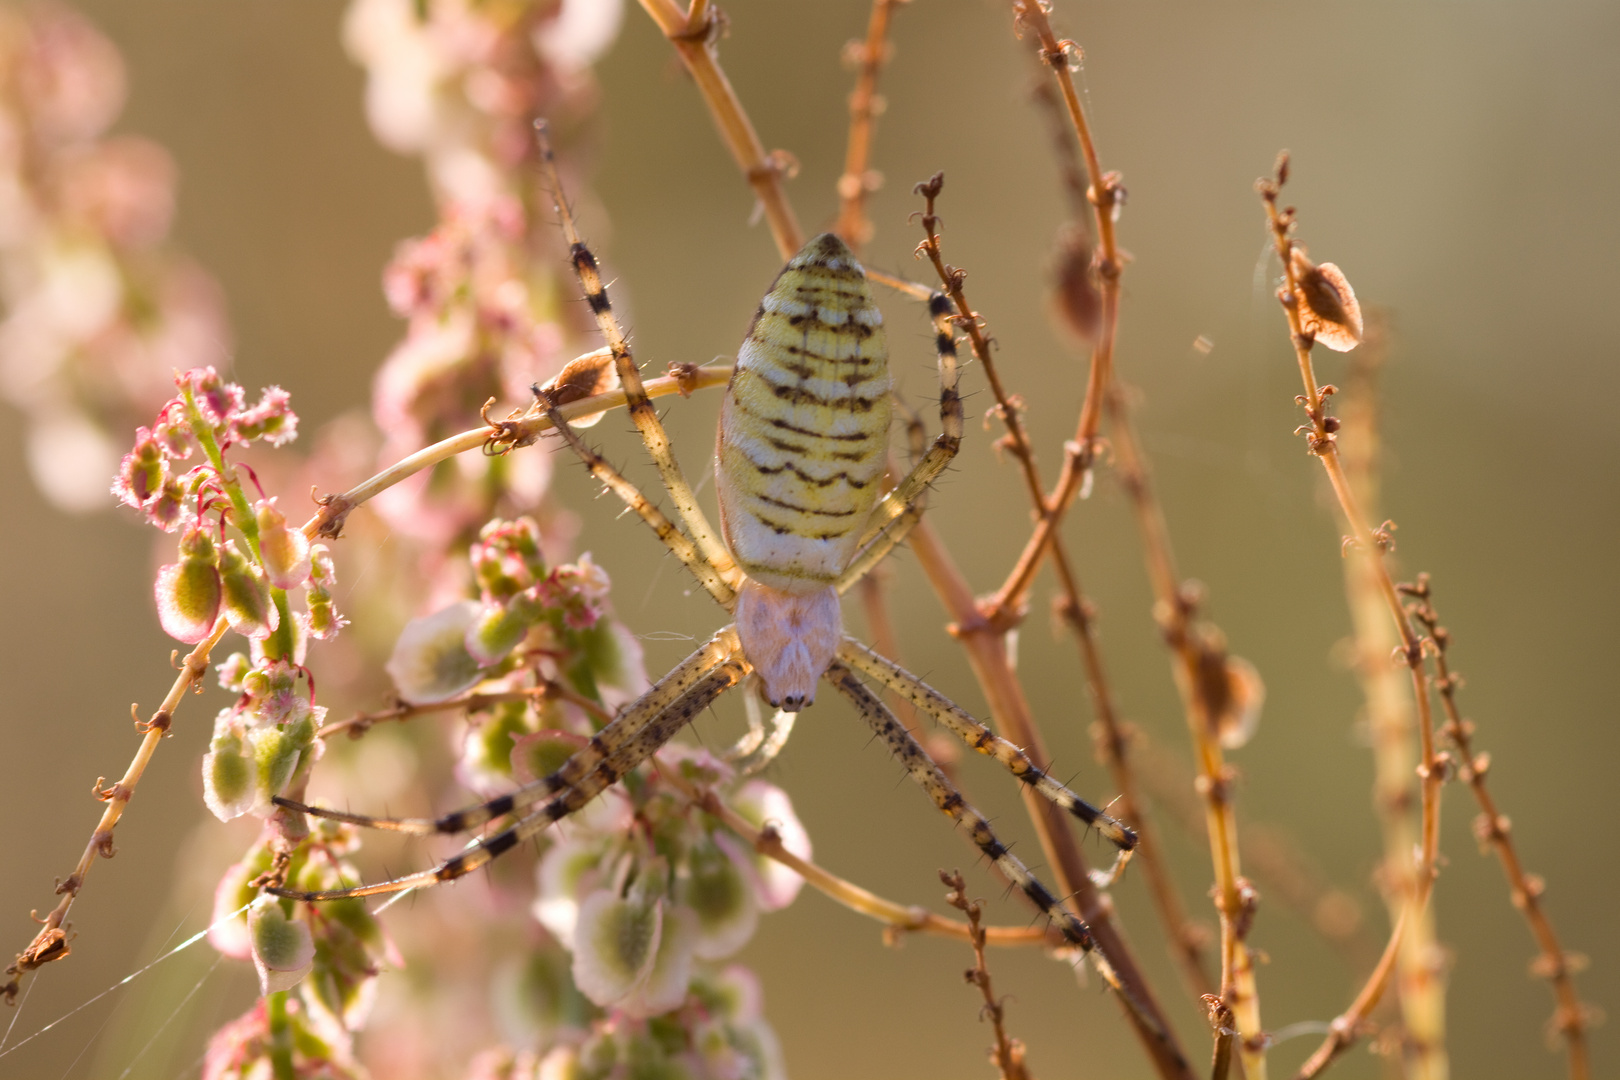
804,428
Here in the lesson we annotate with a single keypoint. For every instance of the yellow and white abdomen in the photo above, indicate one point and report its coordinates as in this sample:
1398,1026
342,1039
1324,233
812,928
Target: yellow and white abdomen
804,427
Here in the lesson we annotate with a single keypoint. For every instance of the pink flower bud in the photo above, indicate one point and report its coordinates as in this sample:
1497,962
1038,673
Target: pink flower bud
169,510
323,619
720,889
506,559
175,437
246,594
763,804
233,672
499,627
189,592
142,473
272,419
285,549
217,399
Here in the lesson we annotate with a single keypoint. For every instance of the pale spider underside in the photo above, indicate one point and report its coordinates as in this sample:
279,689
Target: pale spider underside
801,453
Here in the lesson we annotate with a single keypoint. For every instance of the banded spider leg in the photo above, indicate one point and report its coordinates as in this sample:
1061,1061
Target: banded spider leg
807,419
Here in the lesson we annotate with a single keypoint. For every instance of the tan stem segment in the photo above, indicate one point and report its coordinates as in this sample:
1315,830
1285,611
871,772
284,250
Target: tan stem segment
1174,609
1420,965
1431,770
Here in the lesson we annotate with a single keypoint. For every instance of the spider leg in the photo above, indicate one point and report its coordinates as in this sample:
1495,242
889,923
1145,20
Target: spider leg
893,517
606,772
708,575
939,788
642,412
624,728
765,738
980,738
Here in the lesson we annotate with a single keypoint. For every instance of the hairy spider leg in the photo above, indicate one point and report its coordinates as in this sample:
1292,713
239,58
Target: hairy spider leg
676,541
921,768
642,412
946,443
635,716
899,511
980,738
630,752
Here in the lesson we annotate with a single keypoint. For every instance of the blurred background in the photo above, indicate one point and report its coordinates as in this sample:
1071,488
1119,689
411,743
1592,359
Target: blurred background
1457,160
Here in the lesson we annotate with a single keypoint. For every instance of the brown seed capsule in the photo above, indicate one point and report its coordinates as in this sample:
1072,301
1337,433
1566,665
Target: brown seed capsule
1328,310
583,377
1075,299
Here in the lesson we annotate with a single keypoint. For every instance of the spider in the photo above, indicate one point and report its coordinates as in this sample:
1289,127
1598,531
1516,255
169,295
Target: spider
801,453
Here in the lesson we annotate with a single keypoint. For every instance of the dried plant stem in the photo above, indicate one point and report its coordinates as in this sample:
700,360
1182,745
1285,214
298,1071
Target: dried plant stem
1493,829
1007,1053
521,431
1105,194
986,649
998,614
1113,739
692,35
1323,446
1004,609
1346,1028
898,917
858,179
1174,607
1283,872
51,942
1420,967
1220,1020
360,723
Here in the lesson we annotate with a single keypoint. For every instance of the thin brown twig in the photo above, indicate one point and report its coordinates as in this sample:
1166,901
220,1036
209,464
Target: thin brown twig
987,651
1008,1053
993,617
1111,735
1420,987
1106,195
1271,858
51,942
764,172
858,179
1196,650
898,918
362,722
1220,1021
1494,830
1008,407
1322,443
1009,709
693,35
1105,198
1114,742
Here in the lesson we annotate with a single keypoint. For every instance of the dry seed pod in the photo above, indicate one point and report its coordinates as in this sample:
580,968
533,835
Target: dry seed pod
1075,299
1245,695
583,377
1328,310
